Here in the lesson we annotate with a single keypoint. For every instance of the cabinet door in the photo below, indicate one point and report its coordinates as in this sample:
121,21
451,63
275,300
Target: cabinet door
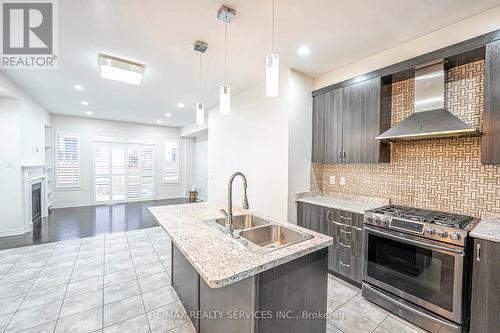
318,127
312,217
361,122
485,314
490,150
333,127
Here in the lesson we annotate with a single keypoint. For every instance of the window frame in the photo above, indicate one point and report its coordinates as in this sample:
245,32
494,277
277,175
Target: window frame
79,182
179,163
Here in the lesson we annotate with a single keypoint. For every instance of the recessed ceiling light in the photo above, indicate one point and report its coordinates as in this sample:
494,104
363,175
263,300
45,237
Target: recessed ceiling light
168,115
120,70
89,113
303,50
159,122
78,87
84,103
180,105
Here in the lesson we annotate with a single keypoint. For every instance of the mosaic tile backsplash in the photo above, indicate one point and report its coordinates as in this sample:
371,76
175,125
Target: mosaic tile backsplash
440,174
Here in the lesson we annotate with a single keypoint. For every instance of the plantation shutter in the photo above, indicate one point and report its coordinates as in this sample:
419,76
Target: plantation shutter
68,160
171,165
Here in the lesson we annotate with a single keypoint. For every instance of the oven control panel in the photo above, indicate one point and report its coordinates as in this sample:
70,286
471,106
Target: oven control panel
432,231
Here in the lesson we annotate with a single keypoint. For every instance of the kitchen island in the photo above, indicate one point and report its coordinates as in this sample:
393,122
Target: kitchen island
226,287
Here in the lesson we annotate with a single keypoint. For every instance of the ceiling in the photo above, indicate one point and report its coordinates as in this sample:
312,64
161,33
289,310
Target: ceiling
160,34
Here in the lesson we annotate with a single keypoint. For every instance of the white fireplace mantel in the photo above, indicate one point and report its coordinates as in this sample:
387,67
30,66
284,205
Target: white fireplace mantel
33,174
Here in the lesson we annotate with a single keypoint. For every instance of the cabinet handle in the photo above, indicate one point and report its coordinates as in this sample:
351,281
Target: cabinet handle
340,155
345,232
345,265
343,155
346,218
478,252
328,213
347,246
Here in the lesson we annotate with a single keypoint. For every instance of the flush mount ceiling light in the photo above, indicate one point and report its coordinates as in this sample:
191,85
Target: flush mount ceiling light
303,50
272,66
89,113
84,103
78,87
180,105
225,14
200,47
159,122
168,115
120,70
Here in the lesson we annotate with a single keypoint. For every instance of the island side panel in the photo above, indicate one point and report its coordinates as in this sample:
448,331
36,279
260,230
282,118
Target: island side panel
297,286
186,282
231,307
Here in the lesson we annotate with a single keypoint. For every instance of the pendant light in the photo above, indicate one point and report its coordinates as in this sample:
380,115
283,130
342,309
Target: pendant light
200,47
225,14
272,66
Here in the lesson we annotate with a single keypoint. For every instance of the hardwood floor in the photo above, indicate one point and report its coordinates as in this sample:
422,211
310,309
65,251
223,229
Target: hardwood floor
78,222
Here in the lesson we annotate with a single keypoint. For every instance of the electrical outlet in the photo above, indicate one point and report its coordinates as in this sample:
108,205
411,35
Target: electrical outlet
332,180
342,180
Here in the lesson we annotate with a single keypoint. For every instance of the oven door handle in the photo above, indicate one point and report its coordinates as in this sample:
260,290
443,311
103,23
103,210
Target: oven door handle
414,241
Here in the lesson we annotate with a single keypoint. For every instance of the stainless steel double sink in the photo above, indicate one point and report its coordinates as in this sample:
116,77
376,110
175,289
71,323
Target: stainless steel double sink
260,235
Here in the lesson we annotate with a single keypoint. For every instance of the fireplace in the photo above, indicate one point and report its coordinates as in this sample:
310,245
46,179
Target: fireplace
36,203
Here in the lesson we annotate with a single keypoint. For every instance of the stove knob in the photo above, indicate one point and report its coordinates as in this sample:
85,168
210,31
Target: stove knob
442,233
454,236
430,231
385,222
369,219
377,220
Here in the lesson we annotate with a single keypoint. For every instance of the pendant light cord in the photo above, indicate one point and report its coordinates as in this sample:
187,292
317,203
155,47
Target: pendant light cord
200,80
225,53
272,34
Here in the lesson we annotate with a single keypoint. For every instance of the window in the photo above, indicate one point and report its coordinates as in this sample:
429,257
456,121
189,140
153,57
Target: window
123,172
171,165
68,160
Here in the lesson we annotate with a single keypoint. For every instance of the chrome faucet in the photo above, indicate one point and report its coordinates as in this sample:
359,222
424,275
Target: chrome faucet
229,213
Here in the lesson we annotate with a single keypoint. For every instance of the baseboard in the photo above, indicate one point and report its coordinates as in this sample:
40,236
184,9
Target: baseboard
12,232
81,204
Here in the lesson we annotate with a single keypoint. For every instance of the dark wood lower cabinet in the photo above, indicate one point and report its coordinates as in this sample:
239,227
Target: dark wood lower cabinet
271,302
485,308
186,283
345,255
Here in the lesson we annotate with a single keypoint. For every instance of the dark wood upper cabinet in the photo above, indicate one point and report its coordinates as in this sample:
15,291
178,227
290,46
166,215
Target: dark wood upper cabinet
351,119
490,149
485,314
318,133
333,127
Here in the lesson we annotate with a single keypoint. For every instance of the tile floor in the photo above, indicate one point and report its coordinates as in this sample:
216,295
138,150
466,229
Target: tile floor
120,283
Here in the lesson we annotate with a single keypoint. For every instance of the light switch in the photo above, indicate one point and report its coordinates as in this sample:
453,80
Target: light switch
342,180
332,180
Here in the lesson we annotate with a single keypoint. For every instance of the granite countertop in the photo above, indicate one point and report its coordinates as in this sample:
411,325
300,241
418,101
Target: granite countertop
347,202
219,259
488,228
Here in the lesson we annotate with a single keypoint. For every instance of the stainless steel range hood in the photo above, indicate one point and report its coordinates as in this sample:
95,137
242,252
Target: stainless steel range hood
430,119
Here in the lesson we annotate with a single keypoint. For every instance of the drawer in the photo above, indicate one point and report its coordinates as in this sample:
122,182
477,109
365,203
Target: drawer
344,217
348,246
345,264
345,232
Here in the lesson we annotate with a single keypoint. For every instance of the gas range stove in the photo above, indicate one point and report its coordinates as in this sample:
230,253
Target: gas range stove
435,225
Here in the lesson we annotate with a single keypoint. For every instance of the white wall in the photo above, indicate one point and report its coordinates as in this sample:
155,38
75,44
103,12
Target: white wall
22,142
201,167
89,127
11,199
299,138
33,119
471,27
253,139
